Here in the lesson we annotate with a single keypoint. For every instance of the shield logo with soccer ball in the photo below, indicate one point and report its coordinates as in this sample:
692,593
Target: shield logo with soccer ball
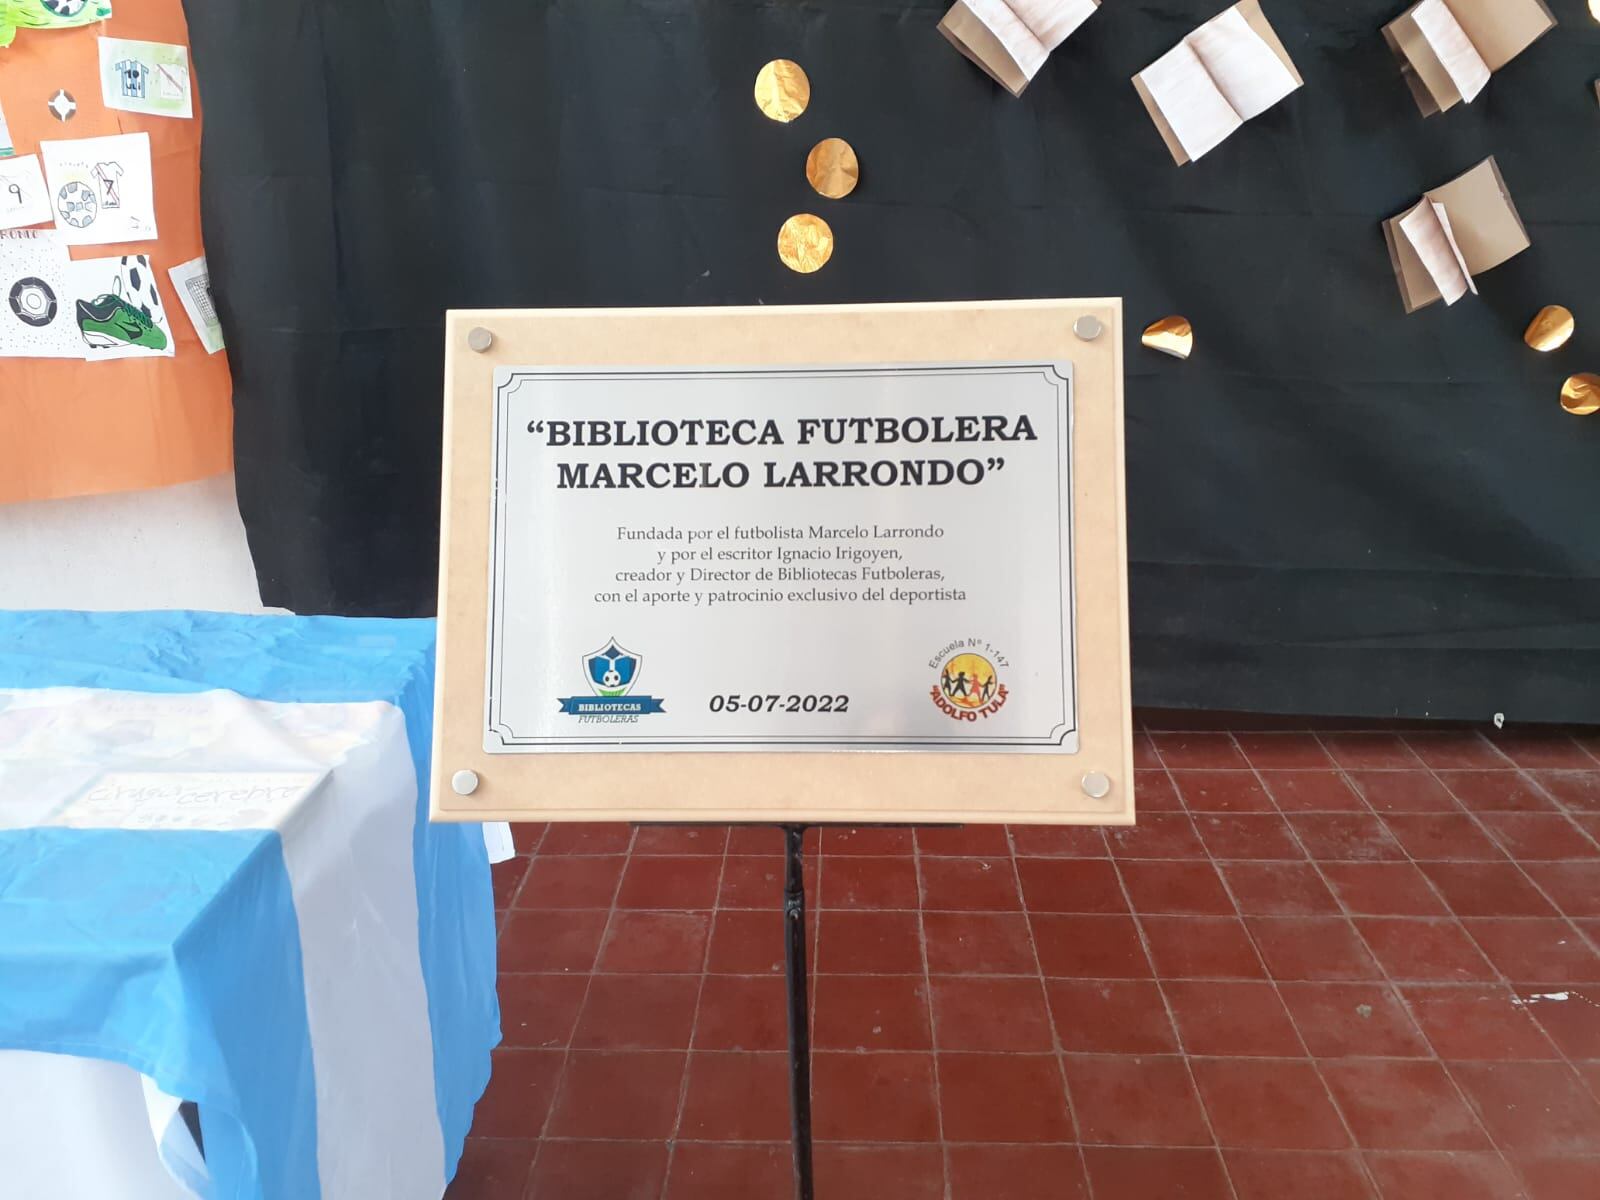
611,671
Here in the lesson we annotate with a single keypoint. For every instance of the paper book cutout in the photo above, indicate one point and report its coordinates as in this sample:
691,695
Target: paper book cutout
1449,48
1229,70
1454,233
1010,39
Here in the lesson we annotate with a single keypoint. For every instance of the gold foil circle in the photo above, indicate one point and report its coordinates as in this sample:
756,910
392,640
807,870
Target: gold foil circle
832,168
805,243
1580,395
1553,327
1171,335
782,90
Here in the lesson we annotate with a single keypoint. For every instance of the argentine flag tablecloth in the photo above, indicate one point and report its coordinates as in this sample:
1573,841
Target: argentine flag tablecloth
216,868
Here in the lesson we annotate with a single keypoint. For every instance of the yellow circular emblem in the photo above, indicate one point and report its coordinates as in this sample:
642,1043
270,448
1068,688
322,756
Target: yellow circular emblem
968,681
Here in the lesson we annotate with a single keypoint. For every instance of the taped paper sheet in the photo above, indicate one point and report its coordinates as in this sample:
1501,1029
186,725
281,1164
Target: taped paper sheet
23,198
1230,70
145,77
192,282
36,308
102,188
1010,39
118,308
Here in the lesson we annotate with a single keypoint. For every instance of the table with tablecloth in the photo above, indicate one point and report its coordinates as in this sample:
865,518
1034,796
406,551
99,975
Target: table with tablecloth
216,870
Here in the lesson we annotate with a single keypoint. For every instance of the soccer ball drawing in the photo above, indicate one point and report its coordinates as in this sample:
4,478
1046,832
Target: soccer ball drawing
77,204
33,302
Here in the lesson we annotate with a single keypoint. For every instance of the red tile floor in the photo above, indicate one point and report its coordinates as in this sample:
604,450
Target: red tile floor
1328,966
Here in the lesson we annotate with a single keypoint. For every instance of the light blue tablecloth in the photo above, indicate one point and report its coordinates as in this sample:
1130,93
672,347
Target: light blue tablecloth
176,952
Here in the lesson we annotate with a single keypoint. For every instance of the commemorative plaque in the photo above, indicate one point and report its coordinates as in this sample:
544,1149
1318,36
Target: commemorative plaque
858,563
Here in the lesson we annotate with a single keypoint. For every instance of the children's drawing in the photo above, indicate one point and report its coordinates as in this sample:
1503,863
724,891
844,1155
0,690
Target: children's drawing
118,308
102,188
36,319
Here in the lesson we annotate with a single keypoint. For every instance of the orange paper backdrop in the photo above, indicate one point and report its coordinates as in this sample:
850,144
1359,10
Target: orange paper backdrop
73,428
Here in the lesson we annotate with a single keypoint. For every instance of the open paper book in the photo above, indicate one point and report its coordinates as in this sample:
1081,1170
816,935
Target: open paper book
1449,48
1455,232
1010,39
1229,70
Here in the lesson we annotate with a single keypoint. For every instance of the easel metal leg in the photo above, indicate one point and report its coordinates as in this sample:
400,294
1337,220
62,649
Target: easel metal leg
794,962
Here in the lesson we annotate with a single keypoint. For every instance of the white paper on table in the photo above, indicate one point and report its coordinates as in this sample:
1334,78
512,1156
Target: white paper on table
192,282
24,200
120,287
157,799
1019,41
1426,227
497,841
175,1145
1053,21
102,188
1457,54
1242,66
36,300
1195,109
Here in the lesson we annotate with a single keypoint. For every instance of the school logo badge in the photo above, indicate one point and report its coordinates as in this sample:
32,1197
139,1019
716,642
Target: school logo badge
969,687
611,673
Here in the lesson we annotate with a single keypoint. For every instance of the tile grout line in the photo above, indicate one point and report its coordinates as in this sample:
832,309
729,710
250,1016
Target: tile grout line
933,1033
1316,1063
1561,1051
1155,975
1050,1013
694,1021
566,1056
1383,969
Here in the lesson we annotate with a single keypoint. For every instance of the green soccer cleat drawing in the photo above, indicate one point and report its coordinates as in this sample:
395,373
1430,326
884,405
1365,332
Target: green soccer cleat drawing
112,321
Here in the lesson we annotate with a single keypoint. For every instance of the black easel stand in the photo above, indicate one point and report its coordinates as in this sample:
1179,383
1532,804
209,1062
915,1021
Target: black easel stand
794,967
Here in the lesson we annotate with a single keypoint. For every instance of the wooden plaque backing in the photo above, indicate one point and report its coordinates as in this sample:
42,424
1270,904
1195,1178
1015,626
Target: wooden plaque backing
813,786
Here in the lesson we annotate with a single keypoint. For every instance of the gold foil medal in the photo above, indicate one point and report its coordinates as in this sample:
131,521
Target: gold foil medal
1170,335
782,90
1580,395
805,243
832,168
1552,328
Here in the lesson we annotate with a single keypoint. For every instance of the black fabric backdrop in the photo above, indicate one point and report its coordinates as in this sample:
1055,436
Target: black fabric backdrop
1333,507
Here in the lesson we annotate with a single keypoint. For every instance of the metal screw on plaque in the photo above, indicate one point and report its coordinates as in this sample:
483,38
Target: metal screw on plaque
479,339
1088,327
1096,785
464,782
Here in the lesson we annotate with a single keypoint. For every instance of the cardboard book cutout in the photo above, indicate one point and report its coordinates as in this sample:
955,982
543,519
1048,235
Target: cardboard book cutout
1452,234
1229,70
1010,39
1449,48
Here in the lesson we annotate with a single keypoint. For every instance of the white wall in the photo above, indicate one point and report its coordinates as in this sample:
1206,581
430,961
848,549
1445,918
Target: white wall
176,547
